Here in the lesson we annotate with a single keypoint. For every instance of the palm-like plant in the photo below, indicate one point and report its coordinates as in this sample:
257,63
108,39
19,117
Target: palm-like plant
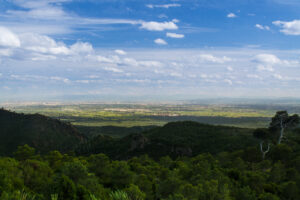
54,196
119,195
23,195
93,197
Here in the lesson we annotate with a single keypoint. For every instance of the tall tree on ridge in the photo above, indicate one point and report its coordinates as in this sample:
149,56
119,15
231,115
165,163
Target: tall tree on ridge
282,121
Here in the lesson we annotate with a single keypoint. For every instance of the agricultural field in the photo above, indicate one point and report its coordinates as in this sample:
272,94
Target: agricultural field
132,115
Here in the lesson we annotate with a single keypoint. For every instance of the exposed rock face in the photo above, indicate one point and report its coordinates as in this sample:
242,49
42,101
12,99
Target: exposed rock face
139,141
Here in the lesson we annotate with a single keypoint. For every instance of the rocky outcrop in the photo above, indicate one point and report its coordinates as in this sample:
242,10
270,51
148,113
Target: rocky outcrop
139,141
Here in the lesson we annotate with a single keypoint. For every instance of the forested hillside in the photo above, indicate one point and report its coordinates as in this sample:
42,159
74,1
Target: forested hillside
174,139
43,133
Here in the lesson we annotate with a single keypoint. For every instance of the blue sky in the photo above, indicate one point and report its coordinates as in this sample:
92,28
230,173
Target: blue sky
155,50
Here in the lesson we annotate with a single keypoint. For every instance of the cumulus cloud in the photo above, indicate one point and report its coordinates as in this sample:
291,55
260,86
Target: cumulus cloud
267,59
159,26
120,52
228,81
265,68
266,62
42,44
261,27
8,38
231,15
81,47
163,6
38,47
104,59
289,27
174,35
160,41
229,69
214,59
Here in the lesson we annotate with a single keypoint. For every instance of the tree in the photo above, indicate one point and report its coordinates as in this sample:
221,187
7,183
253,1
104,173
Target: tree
282,121
265,136
24,152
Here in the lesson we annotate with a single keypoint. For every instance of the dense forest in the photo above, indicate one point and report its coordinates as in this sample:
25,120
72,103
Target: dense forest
179,161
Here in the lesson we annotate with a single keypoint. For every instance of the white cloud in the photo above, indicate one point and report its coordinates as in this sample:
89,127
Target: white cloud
255,76
113,69
159,26
38,47
62,79
228,81
151,63
43,44
265,68
81,47
130,61
267,59
163,6
289,28
231,15
103,59
41,57
160,41
174,35
214,59
83,81
230,69
8,38
278,76
261,27
266,62
120,52
175,74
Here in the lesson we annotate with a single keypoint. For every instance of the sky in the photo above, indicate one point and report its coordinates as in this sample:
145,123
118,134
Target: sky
118,50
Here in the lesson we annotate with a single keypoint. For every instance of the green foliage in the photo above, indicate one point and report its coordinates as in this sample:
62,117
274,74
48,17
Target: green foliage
54,196
119,195
134,192
24,152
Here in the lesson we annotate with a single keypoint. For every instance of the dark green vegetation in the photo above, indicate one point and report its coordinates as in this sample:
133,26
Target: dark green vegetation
174,139
43,133
113,131
179,161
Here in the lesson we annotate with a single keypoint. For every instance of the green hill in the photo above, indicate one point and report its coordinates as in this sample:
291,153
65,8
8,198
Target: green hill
174,139
43,133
